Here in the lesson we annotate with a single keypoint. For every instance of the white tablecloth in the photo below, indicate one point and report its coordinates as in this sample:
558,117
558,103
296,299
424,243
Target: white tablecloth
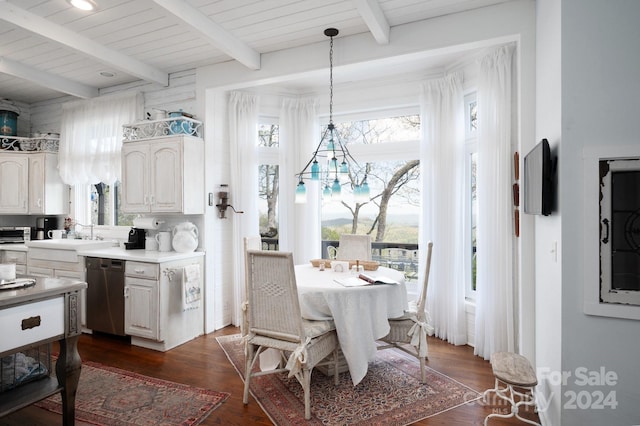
360,313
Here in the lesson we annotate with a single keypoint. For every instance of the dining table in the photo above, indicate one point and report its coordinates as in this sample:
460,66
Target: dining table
360,313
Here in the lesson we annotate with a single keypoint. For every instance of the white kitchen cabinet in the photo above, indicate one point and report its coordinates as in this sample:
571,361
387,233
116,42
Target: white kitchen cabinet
14,183
164,175
47,193
154,313
141,300
30,184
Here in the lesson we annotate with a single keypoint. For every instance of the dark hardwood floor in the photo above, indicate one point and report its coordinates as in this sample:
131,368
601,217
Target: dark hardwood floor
202,363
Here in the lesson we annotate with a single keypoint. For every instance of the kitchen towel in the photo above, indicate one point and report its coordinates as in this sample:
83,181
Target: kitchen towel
191,287
147,223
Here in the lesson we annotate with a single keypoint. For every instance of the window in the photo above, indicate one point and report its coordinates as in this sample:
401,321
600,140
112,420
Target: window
386,148
471,127
98,205
269,180
92,150
105,206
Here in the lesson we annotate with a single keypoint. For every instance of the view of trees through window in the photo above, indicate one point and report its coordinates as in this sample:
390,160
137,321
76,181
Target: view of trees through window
391,213
471,126
269,184
105,203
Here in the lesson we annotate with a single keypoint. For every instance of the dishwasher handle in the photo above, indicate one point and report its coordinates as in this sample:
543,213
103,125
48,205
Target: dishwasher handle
117,264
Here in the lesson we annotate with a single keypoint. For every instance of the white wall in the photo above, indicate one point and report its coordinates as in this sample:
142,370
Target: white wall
600,92
548,229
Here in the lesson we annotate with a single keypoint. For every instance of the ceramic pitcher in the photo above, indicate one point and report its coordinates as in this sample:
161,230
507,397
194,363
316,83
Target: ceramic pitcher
164,240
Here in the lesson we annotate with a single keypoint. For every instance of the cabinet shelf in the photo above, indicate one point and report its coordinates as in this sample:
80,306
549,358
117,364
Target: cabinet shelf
18,143
153,129
27,394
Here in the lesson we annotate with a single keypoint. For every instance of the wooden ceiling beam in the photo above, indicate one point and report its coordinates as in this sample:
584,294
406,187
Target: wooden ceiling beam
59,34
374,18
45,79
213,32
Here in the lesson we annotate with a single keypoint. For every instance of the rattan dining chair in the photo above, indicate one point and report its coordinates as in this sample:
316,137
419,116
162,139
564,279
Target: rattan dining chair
275,322
253,242
409,332
354,247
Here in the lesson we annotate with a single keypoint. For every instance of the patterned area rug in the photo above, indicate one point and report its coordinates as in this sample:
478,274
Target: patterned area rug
109,396
390,394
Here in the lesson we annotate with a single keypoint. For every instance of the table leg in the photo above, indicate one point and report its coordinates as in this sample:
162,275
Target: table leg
68,373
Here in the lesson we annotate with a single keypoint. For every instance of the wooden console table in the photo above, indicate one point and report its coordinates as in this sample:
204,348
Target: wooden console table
45,312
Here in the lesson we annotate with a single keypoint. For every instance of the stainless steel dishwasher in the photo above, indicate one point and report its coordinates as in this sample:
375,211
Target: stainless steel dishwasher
105,295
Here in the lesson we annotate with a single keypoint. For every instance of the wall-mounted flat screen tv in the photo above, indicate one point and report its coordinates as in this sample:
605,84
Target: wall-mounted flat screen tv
538,180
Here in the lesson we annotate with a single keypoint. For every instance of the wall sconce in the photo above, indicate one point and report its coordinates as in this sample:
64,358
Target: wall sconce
223,202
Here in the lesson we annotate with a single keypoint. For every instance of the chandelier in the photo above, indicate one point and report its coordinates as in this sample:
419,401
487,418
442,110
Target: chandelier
329,163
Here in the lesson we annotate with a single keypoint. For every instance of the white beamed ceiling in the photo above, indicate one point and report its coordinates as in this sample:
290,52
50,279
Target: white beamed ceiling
49,49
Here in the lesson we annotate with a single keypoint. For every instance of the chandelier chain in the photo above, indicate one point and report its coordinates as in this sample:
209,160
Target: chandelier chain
331,81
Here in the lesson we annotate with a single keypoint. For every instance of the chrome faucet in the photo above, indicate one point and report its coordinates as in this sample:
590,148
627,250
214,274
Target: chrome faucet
87,226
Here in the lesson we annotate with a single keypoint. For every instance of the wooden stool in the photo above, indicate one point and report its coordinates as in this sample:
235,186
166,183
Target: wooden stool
513,370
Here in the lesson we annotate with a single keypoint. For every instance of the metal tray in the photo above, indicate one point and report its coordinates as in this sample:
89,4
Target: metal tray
17,283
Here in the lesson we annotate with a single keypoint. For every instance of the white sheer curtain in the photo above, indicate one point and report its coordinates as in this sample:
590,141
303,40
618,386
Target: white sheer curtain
91,137
443,217
495,320
298,224
243,141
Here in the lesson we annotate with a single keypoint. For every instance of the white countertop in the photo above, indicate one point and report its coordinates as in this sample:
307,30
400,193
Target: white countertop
139,255
72,244
103,248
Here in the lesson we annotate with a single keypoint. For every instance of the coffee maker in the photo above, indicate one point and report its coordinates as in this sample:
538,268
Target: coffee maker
44,224
136,239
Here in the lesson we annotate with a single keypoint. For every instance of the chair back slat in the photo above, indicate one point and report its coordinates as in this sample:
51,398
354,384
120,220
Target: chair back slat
354,247
274,308
425,283
253,242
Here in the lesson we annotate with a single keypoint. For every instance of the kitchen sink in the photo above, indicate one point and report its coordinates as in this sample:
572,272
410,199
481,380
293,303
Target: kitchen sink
64,244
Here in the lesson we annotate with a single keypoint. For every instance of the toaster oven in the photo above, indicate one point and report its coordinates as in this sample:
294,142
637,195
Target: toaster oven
14,234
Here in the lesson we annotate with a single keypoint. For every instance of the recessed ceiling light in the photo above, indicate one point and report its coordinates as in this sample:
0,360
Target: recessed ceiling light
108,74
83,4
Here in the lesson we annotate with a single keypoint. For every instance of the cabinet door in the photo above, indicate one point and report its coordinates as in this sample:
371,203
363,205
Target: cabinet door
166,176
36,184
47,193
14,183
135,178
141,308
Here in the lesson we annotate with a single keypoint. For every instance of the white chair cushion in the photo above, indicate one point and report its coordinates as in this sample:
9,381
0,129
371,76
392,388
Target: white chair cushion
317,328
409,313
